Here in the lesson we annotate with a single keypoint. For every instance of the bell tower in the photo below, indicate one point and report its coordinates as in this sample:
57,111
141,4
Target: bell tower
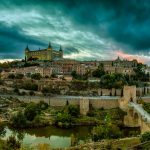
61,52
27,50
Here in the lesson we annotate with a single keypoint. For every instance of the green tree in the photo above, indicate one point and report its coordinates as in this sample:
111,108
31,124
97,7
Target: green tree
79,85
145,137
11,76
42,105
112,81
1,82
36,76
12,144
30,86
45,90
2,130
19,76
18,120
31,93
53,75
63,117
31,111
139,73
106,131
99,71
74,74
73,110
16,90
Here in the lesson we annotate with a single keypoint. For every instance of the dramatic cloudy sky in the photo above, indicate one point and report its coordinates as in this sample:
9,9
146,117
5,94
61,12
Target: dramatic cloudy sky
86,29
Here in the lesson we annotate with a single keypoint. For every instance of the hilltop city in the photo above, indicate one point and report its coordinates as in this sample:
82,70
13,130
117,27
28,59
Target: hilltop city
49,62
95,104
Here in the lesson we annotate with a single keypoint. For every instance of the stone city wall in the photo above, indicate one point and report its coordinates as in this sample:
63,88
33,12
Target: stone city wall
106,103
108,92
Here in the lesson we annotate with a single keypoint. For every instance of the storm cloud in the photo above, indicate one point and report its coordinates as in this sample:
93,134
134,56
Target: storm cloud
86,29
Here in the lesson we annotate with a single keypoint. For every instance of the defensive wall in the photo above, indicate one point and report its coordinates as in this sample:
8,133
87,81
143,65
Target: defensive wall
64,86
135,117
106,102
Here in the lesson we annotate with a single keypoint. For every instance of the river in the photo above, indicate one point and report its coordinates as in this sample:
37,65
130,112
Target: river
55,137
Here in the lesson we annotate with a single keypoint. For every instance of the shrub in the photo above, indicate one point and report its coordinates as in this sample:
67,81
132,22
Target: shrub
145,137
12,144
11,76
16,90
106,132
18,120
31,93
31,111
19,76
2,130
30,86
42,105
146,107
36,76
63,117
73,110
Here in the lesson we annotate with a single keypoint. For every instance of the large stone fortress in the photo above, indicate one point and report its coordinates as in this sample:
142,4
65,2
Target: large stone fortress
43,54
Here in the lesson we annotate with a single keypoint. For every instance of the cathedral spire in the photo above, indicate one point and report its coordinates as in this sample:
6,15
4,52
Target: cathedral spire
49,46
27,48
60,48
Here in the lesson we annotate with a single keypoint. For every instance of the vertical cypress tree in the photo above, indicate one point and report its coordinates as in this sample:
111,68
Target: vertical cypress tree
101,93
121,92
115,93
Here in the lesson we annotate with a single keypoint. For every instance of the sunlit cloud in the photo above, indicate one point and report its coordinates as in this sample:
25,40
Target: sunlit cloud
8,60
139,58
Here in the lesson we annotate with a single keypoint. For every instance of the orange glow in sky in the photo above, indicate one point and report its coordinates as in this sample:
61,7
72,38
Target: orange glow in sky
139,58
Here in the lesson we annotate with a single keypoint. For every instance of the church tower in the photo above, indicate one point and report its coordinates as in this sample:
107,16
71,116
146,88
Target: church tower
27,50
61,52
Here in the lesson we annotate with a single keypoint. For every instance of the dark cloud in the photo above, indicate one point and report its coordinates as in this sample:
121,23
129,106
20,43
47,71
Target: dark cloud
109,24
13,41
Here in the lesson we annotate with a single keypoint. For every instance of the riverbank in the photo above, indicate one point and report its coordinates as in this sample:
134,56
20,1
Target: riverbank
123,143
26,118
32,138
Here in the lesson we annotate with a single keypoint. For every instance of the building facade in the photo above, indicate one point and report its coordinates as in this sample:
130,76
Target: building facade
48,54
27,71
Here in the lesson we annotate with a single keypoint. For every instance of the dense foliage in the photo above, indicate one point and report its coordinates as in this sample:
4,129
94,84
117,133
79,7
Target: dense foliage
29,116
36,76
31,111
48,90
65,117
79,85
79,77
112,81
30,86
146,107
99,72
12,144
145,137
106,131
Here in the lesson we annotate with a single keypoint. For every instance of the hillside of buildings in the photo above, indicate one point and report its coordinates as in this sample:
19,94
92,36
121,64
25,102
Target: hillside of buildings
70,77
68,93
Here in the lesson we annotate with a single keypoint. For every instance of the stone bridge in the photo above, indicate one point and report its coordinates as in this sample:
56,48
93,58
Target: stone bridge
137,117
